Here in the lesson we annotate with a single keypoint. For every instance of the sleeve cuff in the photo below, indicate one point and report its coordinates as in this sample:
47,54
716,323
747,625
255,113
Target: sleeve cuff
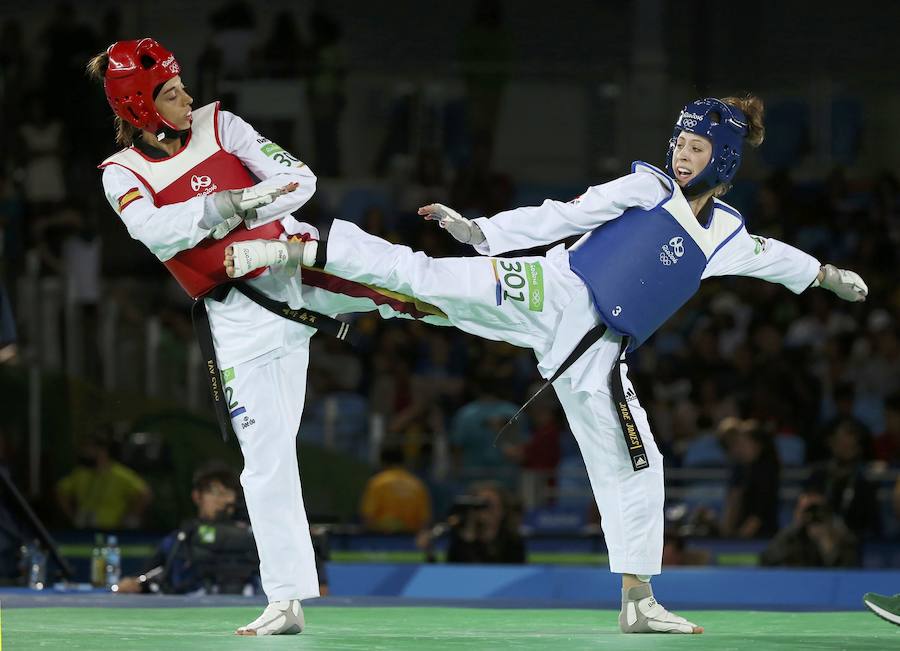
804,284
488,231
211,217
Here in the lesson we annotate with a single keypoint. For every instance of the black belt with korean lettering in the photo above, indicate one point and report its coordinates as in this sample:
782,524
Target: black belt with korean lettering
633,442
200,318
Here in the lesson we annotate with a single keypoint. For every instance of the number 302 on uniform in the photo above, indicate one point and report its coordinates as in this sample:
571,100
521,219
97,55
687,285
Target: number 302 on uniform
519,281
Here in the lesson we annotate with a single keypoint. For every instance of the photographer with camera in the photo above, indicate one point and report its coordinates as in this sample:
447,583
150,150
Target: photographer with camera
483,528
816,538
212,553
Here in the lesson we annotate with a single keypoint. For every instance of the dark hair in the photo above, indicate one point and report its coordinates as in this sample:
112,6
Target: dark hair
102,437
508,503
215,471
96,71
392,455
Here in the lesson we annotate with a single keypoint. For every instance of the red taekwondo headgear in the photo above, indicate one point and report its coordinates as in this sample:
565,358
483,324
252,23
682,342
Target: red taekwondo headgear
136,71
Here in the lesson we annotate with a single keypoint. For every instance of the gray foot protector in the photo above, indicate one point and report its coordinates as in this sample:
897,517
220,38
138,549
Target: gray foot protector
279,618
642,614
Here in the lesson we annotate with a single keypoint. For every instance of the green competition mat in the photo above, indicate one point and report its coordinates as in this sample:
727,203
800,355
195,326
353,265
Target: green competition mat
416,628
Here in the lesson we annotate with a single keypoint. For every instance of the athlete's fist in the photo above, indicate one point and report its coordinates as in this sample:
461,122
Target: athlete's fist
846,284
462,229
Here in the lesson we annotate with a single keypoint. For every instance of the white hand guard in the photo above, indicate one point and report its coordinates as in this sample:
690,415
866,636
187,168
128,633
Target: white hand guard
462,229
244,203
846,284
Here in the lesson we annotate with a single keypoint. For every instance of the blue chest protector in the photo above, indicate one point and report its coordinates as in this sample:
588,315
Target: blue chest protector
644,265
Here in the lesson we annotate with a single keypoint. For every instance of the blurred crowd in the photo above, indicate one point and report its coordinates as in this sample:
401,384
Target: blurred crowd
748,377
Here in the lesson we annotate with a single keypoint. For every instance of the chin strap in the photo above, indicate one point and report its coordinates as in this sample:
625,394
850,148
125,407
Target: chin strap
168,133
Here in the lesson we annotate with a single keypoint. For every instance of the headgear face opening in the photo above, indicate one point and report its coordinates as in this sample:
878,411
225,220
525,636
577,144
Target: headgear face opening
136,69
726,127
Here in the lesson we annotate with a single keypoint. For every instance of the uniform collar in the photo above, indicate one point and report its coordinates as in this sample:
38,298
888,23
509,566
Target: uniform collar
155,152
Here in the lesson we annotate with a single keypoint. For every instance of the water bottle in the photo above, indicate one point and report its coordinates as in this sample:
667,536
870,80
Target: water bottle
113,563
98,562
37,566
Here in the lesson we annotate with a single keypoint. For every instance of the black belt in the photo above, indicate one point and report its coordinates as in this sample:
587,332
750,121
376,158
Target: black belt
200,318
633,441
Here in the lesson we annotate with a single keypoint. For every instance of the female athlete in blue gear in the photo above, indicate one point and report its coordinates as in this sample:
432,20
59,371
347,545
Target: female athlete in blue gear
648,239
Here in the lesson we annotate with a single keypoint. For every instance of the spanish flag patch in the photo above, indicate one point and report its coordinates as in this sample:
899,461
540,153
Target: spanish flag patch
125,200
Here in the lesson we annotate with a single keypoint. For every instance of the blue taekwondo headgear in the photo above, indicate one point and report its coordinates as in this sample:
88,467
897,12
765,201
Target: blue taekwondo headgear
726,126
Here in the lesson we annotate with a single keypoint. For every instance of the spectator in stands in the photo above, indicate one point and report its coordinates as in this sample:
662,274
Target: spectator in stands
478,189
485,53
326,94
777,197
407,404
485,528
177,566
841,480
876,372
843,398
818,322
41,147
100,492
233,24
214,551
751,506
426,182
815,538
539,455
887,444
783,394
474,428
677,552
214,493
284,54
395,500
885,219
334,367
77,261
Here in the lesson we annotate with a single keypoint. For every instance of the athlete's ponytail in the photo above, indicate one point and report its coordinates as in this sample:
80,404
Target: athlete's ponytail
753,108
96,71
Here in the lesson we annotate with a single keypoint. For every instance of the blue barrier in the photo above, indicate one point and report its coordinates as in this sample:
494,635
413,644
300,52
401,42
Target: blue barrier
713,587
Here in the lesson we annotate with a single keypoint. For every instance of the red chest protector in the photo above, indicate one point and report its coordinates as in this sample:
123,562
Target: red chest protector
200,168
